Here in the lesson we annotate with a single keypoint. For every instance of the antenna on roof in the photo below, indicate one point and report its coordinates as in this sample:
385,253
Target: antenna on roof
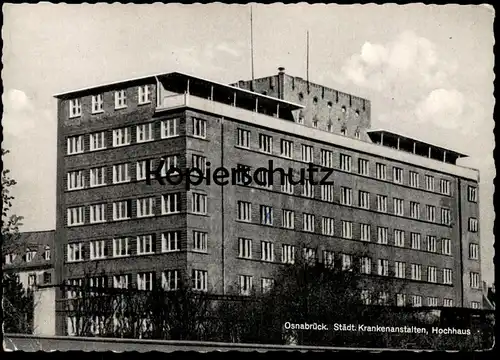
251,46
307,62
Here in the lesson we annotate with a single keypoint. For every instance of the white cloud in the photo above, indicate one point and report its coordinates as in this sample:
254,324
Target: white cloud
442,106
18,116
16,100
227,49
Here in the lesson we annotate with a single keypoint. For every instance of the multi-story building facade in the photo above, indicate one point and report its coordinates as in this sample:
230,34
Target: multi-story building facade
403,201
31,258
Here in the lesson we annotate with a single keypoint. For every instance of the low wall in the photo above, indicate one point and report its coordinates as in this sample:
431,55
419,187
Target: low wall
30,343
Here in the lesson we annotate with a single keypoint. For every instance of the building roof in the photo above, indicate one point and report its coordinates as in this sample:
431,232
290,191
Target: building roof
36,241
179,75
413,139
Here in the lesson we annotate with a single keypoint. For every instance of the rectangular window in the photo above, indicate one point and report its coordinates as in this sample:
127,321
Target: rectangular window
169,163
144,132
140,173
170,203
345,196
76,216
475,304
97,141
98,176
415,241
416,272
445,217
345,162
75,144
76,180
145,207
199,128
364,200
246,285
448,302
307,153
399,207
75,252
432,274
473,225
122,281
170,241
267,251
287,254
474,280
327,158
122,210
400,299
328,259
446,246
431,213
145,245
288,219
363,167
243,139
170,280
245,248
327,226
121,173
267,285
169,128
472,194
309,255
309,220
429,183
327,193
46,254
346,229
266,143
382,203
287,149
432,301
308,189
399,238
97,213
400,269
30,254
383,267
75,108
263,181
414,210
447,276
416,300
365,297
200,241
346,262
287,187
397,175
199,203
145,281
144,94
244,211
414,179
444,187
431,243
120,99
474,251
382,235
120,247
365,232
121,137
381,171
266,215
199,162
97,101
366,265
97,250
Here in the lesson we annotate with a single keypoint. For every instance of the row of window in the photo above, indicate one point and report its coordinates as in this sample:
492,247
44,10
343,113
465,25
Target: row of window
28,256
143,95
170,280
123,136
145,207
288,219
345,163
145,245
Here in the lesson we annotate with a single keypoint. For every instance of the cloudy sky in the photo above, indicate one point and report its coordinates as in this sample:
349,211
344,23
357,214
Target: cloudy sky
428,71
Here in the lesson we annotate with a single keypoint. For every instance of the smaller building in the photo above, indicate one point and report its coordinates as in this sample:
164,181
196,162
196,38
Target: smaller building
32,258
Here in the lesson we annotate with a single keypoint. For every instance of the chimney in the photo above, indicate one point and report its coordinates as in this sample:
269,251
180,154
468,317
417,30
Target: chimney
281,82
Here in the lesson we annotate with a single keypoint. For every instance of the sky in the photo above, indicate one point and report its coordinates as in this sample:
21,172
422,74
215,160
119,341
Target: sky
427,70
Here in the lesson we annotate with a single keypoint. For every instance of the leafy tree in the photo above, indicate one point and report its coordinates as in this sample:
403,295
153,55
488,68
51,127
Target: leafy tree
10,222
18,306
